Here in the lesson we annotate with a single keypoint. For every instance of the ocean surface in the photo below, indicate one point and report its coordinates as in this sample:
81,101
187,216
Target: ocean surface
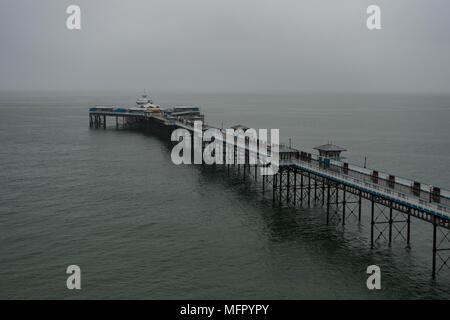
141,227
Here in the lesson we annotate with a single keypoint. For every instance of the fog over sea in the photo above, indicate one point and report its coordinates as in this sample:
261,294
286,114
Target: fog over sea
141,227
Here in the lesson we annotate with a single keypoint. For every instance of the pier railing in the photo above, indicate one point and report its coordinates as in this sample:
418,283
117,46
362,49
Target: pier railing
433,208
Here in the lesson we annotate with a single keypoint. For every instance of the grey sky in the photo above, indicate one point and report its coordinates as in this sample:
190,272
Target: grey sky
225,45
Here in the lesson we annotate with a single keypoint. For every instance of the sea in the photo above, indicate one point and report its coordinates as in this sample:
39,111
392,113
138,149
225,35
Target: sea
140,227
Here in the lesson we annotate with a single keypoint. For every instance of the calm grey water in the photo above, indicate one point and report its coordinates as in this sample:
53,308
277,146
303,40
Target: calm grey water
141,227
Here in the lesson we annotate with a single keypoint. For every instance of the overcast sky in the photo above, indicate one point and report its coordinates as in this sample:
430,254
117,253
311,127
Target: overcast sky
225,45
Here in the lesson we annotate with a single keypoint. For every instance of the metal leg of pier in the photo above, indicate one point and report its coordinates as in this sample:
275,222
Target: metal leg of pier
309,189
323,191
315,189
91,123
274,187
117,122
390,224
280,185
441,246
328,201
235,157
337,197
359,205
433,271
288,186
295,188
225,156
343,207
372,223
408,229
104,122
301,188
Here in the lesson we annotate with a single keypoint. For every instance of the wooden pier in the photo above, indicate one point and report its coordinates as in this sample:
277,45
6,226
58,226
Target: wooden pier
340,188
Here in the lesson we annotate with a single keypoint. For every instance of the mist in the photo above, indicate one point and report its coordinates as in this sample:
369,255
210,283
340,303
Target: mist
219,46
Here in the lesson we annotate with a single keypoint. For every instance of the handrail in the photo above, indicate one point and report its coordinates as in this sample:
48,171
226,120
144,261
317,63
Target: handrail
420,203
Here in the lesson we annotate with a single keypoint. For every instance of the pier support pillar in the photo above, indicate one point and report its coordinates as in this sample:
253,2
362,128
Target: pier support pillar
288,185
337,197
301,188
390,224
295,188
323,191
280,199
315,189
433,268
274,186
328,201
441,246
343,207
309,189
359,205
408,229
372,222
